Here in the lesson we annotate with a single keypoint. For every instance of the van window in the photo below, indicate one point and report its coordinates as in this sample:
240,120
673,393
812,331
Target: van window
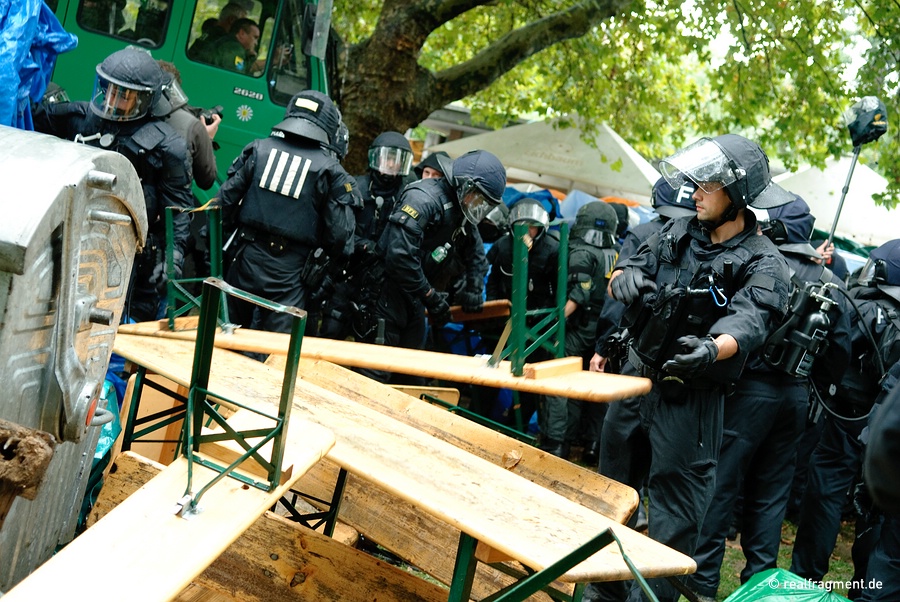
141,21
289,70
234,36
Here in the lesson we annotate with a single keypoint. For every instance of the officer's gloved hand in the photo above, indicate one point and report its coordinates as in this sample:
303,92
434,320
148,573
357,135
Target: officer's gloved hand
438,308
630,284
700,355
472,302
160,277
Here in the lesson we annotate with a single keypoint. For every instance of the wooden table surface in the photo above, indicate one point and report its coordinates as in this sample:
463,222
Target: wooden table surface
512,515
142,551
578,384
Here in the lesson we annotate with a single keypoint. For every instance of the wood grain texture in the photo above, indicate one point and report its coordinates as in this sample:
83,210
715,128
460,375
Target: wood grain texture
584,385
513,515
154,547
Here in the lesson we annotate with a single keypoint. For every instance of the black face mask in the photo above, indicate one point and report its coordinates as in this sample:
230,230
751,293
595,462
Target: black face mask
385,185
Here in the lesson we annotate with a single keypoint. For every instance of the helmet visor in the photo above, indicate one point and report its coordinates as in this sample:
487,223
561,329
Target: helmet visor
118,101
474,202
177,97
872,273
390,161
598,238
529,213
703,163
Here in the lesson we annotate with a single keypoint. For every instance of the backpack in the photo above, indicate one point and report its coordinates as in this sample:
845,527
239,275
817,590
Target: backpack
888,347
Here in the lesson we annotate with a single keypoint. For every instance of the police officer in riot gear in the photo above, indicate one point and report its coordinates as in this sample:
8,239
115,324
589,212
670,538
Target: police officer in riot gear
433,165
543,261
836,461
431,214
765,415
390,160
592,255
668,203
289,197
701,294
123,115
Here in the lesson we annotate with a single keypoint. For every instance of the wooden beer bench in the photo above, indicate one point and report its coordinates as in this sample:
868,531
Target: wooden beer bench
512,516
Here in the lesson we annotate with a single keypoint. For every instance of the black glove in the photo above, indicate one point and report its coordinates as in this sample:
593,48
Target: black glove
438,308
472,303
160,277
701,353
630,284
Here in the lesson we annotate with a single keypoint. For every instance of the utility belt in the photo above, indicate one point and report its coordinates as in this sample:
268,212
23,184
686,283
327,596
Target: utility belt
664,379
277,244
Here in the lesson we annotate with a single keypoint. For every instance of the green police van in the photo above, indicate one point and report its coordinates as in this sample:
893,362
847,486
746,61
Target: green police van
193,34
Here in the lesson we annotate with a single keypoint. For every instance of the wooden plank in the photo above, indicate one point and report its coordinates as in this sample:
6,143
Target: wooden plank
279,560
511,514
423,540
496,308
584,385
445,394
555,367
158,553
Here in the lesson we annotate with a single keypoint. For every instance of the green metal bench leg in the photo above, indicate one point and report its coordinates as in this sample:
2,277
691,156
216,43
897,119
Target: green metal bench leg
464,569
128,435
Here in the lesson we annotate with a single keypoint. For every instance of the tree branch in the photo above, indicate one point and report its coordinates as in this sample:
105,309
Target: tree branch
467,78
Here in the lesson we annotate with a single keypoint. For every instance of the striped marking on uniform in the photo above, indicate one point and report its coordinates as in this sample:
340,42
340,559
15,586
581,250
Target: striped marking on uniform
281,173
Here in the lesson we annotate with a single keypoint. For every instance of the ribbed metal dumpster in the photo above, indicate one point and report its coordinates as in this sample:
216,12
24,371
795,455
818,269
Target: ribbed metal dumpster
71,220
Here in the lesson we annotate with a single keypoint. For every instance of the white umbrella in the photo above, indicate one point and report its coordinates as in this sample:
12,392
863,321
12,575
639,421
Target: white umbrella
861,220
558,158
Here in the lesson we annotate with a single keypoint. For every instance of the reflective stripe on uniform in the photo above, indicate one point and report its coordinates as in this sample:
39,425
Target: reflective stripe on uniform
280,182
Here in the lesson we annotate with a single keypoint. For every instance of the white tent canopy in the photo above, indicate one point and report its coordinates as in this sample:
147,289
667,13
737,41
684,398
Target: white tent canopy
558,158
861,220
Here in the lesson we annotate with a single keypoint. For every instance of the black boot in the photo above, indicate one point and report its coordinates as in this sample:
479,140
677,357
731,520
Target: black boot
553,447
591,455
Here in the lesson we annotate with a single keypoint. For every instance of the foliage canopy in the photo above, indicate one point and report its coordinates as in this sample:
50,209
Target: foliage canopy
662,74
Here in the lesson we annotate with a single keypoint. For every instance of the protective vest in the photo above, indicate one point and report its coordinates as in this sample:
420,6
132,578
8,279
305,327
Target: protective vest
878,315
692,295
288,190
543,261
377,205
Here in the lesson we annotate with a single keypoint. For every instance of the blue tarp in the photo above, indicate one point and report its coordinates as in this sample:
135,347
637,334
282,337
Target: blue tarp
31,37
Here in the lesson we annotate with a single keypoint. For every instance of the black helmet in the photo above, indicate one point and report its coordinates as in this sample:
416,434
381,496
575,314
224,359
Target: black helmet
731,162
883,269
495,224
671,202
390,154
479,179
128,86
439,161
313,115
789,227
596,223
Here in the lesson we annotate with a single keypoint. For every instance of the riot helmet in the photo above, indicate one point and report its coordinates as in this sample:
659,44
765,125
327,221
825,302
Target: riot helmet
789,227
479,179
674,202
312,115
731,162
439,161
390,154
882,269
530,212
596,224
341,142
128,86
495,224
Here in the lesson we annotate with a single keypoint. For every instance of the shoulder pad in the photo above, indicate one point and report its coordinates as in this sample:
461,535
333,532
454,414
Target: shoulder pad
151,135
